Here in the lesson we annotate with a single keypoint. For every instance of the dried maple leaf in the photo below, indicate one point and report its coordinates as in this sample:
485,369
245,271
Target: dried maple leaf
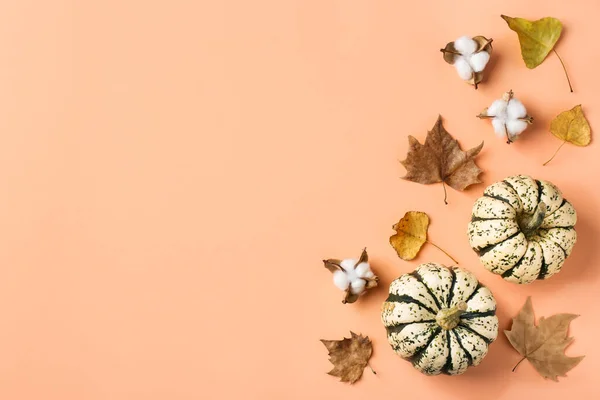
349,356
571,126
411,235
537,39
543,345
440,159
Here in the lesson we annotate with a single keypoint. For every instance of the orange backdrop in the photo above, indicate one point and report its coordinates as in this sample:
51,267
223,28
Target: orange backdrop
173,172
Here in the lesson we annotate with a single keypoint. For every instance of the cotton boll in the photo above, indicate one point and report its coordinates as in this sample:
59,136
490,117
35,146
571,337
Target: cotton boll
340,279
509,117
515,109
515,126
362,269
498,108
465,45
358,286
463,68
369,274
499,127
478,61
348,264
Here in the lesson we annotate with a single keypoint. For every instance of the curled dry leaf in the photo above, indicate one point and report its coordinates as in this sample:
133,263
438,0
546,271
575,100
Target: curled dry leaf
352,276
537,39
411,235
440,159
571,127
349,356
543,345
509,117
469,56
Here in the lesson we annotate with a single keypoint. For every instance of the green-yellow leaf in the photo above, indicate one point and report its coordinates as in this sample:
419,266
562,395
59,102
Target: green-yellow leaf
537,38
571,127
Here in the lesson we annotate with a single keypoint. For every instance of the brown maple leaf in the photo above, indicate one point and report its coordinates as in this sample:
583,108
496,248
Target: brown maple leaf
440,159
543,345
349,356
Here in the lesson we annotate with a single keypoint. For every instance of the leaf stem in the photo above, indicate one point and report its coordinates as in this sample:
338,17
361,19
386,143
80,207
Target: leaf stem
520,361
445,193
554,155
565,69
372,370
443,251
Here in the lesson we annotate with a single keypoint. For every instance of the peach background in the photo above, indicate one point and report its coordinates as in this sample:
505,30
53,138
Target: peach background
174,171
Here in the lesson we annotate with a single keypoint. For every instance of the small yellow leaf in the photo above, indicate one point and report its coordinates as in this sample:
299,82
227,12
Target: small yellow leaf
537,38
572,126
411,234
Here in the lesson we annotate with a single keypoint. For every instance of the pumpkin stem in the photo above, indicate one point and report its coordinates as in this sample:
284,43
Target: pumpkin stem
448,318
530,223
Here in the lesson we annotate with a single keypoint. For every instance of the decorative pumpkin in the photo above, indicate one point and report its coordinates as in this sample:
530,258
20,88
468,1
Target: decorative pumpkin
522,229
440,319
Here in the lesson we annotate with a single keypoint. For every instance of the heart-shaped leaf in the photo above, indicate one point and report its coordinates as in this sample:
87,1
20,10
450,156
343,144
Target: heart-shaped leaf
537,39
571,127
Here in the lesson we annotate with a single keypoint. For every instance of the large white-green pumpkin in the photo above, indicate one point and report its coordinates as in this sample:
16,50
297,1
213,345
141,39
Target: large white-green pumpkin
440,319
522,229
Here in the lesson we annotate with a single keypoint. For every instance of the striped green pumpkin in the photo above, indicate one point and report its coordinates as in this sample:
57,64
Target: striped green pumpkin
440,319
522,229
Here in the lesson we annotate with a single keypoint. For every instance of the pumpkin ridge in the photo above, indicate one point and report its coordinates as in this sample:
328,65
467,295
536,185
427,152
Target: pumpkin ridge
418,277
479,286
565,201
511,187
475,219
540,190
469,356
544,268
509,271
448,365
404,298
554,241
482,251
417,355
451,291
477,314
398,328
493,196
468,328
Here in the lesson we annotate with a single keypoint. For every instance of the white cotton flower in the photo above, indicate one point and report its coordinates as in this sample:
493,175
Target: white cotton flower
509,117
340,279
358,286
363,270
465,45
469,59
352,276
